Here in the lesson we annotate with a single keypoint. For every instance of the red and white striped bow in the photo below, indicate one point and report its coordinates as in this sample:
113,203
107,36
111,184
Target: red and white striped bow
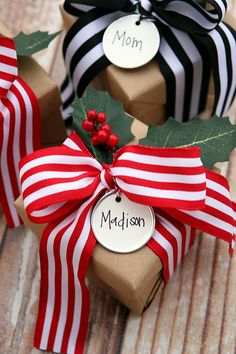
19,127
60,187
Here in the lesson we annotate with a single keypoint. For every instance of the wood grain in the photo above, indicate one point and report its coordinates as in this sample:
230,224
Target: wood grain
29,16
19,291
2,229
194,314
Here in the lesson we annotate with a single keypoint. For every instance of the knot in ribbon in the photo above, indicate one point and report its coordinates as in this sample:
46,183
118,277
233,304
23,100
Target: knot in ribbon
61,186
107,179
194,43
19,127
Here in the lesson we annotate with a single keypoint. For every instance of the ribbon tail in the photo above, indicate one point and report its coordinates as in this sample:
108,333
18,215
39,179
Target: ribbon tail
220,45
218,217
65,251
186,70
19,127
67,97
171,241
19,136
84,61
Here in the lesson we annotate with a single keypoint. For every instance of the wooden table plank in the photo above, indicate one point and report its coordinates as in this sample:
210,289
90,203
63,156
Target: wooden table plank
139,332
228,333
199,296
2,228
18,290
106,324
184,300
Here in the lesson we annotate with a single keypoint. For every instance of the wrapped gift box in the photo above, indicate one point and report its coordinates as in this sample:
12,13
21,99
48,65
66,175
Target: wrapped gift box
132,278
52,126
147,100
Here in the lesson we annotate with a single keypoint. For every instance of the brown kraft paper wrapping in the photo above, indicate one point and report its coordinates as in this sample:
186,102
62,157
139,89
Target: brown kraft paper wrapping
142,90
52,126
132,278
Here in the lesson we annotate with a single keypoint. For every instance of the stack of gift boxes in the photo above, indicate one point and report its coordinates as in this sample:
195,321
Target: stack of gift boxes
131,278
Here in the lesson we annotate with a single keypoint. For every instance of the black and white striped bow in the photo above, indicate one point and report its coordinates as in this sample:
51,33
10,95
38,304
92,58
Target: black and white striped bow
194,43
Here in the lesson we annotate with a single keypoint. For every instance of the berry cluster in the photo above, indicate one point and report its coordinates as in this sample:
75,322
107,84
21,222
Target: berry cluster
99,129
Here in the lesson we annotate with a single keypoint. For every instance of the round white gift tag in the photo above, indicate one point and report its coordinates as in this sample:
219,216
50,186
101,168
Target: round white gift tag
121,225
130,43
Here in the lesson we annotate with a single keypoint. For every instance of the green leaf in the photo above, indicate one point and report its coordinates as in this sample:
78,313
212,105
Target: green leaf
216,137
119,121
28,44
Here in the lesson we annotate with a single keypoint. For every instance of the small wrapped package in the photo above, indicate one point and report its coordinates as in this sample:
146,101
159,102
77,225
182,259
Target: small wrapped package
52,127
144,90
131,278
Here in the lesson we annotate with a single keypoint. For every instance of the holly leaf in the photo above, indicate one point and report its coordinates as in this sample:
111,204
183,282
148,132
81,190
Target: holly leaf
216,137
119,121
28,44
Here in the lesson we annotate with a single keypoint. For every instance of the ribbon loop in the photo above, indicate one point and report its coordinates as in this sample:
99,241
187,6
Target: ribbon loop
76,7
55,183
176,13
189,16
160,177
145,7
107,179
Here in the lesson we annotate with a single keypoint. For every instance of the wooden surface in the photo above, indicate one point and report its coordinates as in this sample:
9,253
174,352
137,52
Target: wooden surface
195,313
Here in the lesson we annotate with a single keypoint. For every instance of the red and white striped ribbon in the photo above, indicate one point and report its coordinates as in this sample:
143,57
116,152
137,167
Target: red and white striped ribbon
60,187
19,127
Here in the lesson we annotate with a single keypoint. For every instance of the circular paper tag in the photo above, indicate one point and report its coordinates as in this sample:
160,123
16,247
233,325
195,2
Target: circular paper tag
130,43
122,226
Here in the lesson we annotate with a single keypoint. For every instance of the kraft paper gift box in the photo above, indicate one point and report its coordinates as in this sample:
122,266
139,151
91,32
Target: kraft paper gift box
146,100
52,126
131,278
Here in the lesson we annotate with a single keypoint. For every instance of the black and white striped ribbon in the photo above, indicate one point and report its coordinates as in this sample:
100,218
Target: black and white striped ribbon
194,43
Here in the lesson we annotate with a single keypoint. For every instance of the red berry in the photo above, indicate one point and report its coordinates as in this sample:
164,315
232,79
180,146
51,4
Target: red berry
94,132
91,115
102,136
106,127
101,117
113,141
87,125
95,140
